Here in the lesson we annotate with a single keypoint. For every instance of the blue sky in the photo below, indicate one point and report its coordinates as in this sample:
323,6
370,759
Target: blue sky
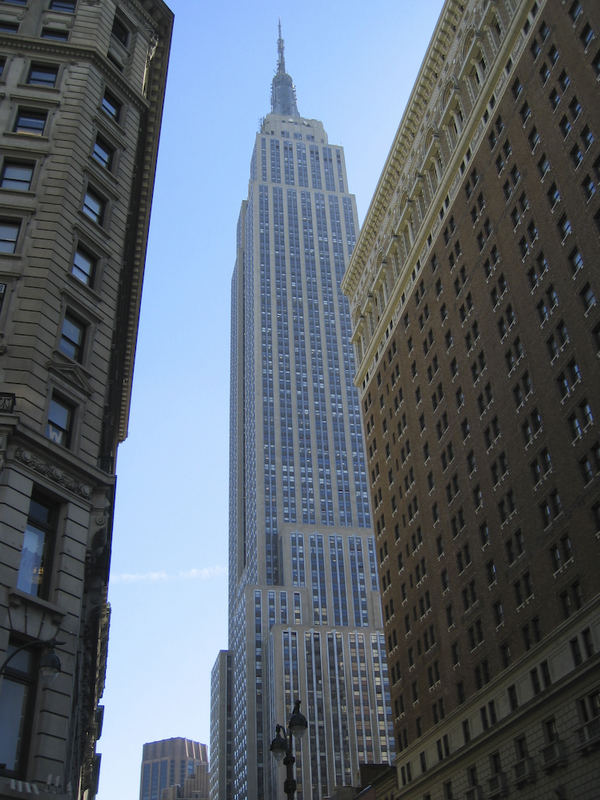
354,65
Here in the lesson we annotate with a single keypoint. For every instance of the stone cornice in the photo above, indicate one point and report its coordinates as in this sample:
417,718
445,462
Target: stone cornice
147,168
413,116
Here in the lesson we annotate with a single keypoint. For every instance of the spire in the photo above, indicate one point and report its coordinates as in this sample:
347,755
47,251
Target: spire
283,92
281,57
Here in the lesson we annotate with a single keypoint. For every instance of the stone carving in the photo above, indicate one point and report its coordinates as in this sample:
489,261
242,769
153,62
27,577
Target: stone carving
70,372
53,472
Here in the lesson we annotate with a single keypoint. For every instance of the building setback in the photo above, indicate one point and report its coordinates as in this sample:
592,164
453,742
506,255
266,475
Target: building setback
473,291
304,608
80,110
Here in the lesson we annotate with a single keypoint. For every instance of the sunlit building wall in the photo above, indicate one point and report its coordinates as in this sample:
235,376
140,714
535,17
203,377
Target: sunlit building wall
304,609
474,297
174,768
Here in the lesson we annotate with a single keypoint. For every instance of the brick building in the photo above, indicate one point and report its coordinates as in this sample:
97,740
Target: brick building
473,291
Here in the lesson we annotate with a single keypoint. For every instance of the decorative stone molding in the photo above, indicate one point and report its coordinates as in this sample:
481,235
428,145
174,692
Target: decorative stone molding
441,84
7,402
53,472
70,372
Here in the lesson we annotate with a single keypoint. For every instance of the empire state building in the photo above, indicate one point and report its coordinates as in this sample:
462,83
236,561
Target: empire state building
304,606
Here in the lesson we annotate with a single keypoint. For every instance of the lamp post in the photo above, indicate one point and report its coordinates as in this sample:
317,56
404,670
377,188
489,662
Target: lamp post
281,746
49,661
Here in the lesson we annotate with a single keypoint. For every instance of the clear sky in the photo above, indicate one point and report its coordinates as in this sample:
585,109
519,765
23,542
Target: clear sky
354,64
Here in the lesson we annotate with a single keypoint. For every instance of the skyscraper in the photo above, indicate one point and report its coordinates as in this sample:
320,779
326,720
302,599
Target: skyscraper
80,113
170,766
304,609
473,290
220,728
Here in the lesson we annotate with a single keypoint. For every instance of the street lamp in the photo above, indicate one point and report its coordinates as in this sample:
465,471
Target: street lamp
281,746
49,661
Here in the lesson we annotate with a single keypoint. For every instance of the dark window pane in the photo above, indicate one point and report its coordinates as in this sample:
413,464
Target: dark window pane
63,5
42,75
71,340
55,33
120,32
83,266
16,176
59,422
31,122
111,106
93,207
102,153
9,232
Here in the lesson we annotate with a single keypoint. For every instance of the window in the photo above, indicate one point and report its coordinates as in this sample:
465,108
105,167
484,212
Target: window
553,195
587,137
589,187
471,462
575,11
9,232
534,139
16,701
31,122
575,260
564,227
120,31
36,552
588,297
60,421
543,165
72,337
42,75
68,6
16,175
94,206
498,613
517,88
565,127
8,27
103,153
84,266
55,33
576,155
575,108
111,106
586,35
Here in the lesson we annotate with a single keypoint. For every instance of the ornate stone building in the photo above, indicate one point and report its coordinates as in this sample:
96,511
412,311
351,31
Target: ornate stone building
473,290
81,95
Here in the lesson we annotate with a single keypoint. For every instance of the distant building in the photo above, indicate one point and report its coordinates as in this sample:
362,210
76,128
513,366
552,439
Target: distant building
221,787
304,607
195,787
174,769
474,291
82,86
